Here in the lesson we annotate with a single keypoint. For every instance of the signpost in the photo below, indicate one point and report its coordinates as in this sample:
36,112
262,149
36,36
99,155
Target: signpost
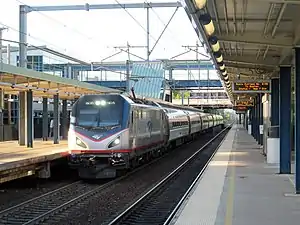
251,86
240,109
243,103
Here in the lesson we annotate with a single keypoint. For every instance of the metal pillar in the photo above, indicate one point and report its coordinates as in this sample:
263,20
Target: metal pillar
261,121
23,36
148,35
171,84
257,118
253,118
1,30
285,119
45,119
8,54
9,110
250,118
297,120
64,119
67,71
127,76
29,116
56,119
1,115
275,102
22,118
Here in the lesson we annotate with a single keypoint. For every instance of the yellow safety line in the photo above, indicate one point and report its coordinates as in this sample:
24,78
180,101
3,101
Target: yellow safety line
230,196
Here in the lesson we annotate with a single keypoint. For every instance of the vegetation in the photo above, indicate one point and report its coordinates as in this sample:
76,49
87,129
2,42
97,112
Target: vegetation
177,94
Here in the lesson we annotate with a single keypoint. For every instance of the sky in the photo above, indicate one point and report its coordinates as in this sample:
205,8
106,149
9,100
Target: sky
92,35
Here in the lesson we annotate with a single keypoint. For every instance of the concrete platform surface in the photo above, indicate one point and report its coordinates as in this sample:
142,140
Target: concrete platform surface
239,188
12,155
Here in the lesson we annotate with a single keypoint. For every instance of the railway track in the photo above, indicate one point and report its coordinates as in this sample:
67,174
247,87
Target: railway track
160,203
54,204
41,208
28,211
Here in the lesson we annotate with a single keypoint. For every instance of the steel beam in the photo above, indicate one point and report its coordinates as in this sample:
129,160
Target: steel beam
254,123
275,102
249,20
23,36
45,119
29,122
65,117
127,76
22,118
285,120
56,122
292,2
261,120
250,60
257,117
297,120
88,7
148,34
122,66
24,10
256,38
296,40
1,115
166,26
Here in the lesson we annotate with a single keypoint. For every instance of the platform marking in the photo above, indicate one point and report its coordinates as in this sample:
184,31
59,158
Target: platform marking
231,190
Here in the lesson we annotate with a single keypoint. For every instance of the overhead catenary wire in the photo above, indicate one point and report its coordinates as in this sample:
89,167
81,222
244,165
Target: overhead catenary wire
134,19
33,37
89,38
85,35
98,68
160,19
57,21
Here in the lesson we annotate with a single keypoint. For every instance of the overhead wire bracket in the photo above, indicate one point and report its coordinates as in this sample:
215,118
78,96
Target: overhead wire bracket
163,31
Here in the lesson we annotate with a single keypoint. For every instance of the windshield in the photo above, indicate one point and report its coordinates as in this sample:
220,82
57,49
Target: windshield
99,112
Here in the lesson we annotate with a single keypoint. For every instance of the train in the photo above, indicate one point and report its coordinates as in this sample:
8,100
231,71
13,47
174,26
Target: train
110,134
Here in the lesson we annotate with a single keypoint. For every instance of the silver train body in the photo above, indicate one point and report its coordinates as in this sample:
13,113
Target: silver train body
112,133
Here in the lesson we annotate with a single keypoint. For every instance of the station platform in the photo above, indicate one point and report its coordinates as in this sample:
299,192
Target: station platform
19,161
239,188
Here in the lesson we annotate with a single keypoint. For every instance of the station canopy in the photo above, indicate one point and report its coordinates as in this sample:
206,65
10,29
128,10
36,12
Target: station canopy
252,38
15,79
256,36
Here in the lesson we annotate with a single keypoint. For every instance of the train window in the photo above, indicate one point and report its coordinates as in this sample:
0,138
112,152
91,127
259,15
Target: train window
132,117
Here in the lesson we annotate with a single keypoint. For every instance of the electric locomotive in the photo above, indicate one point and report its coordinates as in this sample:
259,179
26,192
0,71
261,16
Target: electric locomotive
114,132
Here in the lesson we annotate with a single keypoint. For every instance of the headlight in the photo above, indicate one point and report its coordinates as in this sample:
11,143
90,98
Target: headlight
114,142
80,143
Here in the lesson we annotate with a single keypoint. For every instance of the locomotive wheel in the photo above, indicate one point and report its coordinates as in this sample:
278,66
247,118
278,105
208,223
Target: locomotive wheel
134,163
121,172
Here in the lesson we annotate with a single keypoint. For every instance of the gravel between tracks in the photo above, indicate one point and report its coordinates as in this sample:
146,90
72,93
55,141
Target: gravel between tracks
111,201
